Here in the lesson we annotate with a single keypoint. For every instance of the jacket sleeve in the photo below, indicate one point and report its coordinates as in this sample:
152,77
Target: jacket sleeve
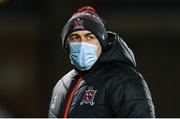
132,98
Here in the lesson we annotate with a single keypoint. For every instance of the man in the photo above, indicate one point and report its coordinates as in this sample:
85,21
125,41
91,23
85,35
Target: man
104,81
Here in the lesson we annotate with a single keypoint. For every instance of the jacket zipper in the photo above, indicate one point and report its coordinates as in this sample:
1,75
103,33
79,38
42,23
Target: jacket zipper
71,97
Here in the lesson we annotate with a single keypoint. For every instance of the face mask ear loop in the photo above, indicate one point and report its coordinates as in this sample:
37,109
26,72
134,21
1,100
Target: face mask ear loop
98,46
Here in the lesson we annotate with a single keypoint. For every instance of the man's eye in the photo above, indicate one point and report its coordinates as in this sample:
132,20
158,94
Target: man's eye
91,37
74,38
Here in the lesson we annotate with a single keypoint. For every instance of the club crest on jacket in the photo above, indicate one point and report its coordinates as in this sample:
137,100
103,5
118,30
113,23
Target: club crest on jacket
88,97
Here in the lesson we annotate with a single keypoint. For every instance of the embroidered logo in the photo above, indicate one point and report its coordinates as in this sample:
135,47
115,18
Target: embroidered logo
54,99
78,24
88,97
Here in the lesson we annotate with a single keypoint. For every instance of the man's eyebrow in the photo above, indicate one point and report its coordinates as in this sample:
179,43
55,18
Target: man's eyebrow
87,34
73,35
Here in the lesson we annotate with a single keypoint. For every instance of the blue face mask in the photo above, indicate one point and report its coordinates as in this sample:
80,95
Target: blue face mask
83,55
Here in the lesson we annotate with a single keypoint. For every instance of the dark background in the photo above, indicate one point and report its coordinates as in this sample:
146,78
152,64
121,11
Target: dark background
32,60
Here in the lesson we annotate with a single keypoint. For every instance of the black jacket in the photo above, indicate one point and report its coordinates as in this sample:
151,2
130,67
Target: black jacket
111,88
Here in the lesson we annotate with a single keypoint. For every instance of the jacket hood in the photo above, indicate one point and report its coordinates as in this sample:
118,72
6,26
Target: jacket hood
117,51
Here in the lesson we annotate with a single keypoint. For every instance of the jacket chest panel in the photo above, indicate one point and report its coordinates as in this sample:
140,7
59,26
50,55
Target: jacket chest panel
90,99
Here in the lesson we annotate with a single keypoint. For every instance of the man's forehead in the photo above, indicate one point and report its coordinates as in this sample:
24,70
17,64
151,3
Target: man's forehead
82,32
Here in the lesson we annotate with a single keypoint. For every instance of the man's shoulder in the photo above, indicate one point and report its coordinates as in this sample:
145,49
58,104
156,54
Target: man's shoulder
123,69
125,74
71,74
66,79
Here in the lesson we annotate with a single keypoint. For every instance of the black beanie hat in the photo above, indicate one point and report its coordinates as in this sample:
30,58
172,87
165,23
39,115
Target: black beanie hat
85,18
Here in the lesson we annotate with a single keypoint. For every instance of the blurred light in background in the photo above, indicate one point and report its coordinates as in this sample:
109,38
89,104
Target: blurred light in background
3,2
